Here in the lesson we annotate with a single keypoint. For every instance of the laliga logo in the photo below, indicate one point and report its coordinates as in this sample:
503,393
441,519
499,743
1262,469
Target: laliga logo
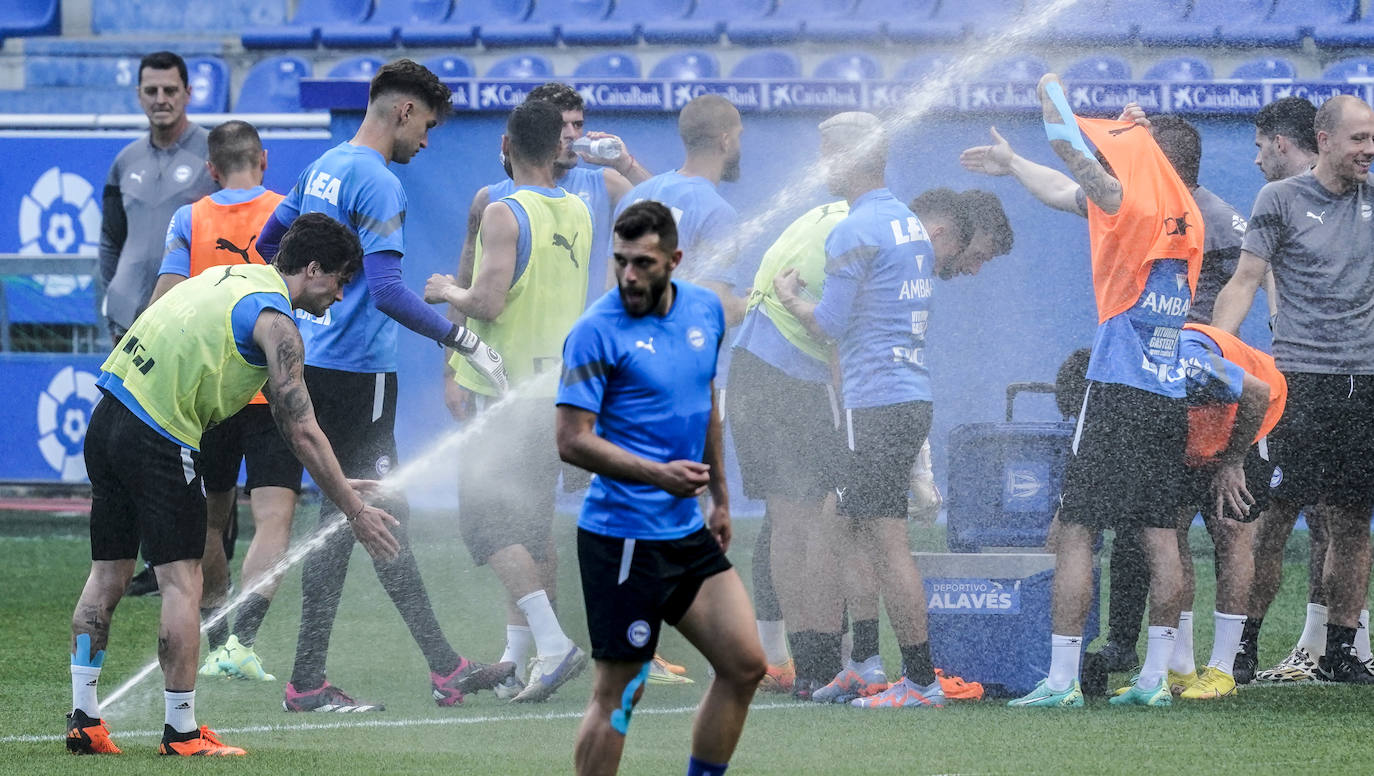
63,411
59,215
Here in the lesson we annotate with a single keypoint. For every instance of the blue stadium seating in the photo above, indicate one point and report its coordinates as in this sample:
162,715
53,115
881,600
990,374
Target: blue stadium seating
686,66
69,99
121,47
1289,22
1099,67
918,68
1202,27
459,28
356,67
854,66
706,22
1272,68
1179,69
622,27
540,28
304,29
614,64
1112,22
1359,32
41,71
826,21
209,79
273,86
768,63
918,21
383,28
1022,68
183,17
30,17
450,66
522,66
1356,68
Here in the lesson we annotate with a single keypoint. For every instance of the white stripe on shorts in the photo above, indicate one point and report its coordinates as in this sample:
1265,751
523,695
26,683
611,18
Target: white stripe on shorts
188,467
1263,448
627,554
378,396
849,424
1082,411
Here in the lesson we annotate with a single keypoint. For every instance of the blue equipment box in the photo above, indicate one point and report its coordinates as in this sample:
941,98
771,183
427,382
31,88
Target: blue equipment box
990,617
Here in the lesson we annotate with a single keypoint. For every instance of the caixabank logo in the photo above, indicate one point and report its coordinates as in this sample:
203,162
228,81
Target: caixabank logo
59,215
64,412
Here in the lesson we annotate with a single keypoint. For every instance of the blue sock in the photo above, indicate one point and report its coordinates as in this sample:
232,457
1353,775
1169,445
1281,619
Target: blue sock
697,767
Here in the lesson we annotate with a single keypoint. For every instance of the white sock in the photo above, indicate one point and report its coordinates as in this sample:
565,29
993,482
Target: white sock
1225,641
773,634
1158,648
181,710
518,643
1362,650
84,681
1313,637
1181,659
549,638
1065,652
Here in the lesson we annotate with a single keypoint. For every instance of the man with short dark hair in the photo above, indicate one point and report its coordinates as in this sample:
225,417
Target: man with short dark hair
1285,140
192,360
350,366
637,406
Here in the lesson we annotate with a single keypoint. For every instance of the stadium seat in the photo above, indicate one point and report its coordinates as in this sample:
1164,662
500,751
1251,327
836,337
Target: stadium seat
1289,22
1265,68
706,22
273,86
1112,22
30,17
182,17
768,63
356,67
622,27
383,28
69,99
134,48
1179,69
1202,26
826,21
1356,32
919,68
540,28
853,66
102,72
522,66
920,21
304,29
1100,67
686,66
209,78
450,66
1354,69
1023,68
615,64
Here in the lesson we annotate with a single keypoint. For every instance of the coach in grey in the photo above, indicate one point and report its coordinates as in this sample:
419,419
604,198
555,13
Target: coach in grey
1316,231
152,177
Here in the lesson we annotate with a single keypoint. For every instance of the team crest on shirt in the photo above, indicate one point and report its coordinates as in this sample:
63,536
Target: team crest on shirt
182,173
696,338
1277,477
384,465
1366,211
638,633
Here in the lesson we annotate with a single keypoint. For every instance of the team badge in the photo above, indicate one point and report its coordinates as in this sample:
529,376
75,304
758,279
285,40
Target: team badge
182,173
1277,477
696,338
638,633
384,465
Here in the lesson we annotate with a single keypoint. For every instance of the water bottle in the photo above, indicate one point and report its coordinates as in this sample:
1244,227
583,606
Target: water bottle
606,149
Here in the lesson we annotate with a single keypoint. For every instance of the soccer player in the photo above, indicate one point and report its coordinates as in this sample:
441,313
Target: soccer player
637,407
530,281
1128,461
216,230
191,360
875,306
1314,230
350,366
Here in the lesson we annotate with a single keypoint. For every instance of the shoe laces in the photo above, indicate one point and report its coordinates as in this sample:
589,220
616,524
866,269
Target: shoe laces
209,735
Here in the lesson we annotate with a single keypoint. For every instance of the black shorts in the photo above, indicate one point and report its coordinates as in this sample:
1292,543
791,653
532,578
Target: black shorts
249,435
506,492
1127,469
883,445
357,412
786,430
144,487
1197,485
633,586
1324,444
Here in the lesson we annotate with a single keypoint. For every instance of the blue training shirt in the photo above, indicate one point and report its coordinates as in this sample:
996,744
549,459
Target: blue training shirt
589,185
876,301
352,185
1139,347
176,254
760,336
1211,378
705,226
648,379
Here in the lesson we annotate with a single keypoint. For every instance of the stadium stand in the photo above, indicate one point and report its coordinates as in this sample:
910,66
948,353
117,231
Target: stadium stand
383,27
768,63
915,21
209,79
1354,69
687,66
623,26
1272,68
30,17
1289,22
304,29
1182,68
45,70
450,66
704,22
1356,32
273,86
69,99
615,64
522,66
356,67
1098,67
1022,68
823,21
1202,25
182,17
540,27
854,66
917,68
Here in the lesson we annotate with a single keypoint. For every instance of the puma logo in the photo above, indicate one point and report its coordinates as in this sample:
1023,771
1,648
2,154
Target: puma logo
136,177
1121,131
229,273
1321,219
559,241
222,244
649,346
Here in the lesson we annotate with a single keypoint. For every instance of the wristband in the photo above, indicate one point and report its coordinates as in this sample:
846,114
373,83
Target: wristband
1068,131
